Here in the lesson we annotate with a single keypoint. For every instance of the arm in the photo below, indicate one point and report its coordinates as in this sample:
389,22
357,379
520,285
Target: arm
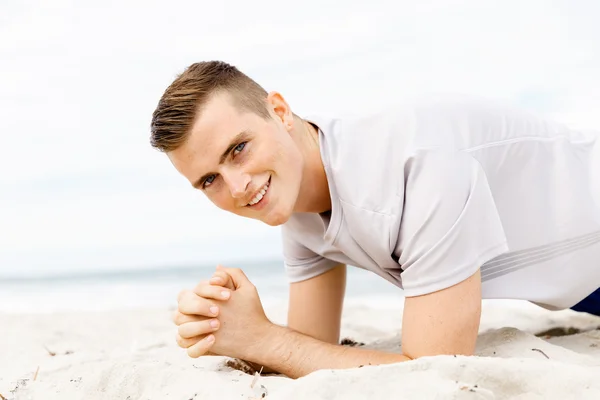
444,322
315,307
315,304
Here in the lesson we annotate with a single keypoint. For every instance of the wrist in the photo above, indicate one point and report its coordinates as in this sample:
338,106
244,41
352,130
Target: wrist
267,340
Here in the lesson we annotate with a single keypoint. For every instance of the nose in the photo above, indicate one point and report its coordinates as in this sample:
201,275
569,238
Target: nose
237,181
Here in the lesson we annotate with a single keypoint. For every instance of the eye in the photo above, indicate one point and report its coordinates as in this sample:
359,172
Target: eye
239,148
208,181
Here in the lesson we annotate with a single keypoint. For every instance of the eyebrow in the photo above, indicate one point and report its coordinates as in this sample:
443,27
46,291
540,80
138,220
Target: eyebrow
240,137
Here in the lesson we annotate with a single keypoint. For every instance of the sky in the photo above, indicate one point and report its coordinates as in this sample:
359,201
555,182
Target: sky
81,188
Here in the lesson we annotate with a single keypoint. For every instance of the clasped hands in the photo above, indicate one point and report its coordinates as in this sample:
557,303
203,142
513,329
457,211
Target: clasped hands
222,316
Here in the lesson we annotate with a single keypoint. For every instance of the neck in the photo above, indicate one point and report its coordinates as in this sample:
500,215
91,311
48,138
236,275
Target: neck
314,194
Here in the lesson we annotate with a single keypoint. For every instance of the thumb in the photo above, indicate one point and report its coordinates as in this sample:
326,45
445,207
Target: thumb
222,278
238,277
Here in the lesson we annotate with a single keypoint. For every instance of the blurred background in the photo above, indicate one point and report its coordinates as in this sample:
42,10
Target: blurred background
92,217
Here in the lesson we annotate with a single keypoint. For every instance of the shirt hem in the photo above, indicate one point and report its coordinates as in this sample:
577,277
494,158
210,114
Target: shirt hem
484,257
305,273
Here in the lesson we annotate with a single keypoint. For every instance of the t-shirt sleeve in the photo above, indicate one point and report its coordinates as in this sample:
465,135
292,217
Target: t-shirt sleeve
300,262
450,223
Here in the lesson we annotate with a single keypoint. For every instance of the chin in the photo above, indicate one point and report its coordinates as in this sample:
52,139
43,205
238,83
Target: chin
276,220
277,217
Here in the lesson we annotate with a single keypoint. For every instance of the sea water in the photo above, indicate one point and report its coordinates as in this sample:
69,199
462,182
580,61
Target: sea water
159,287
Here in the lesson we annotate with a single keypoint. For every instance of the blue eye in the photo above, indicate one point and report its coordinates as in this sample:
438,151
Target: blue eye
208,180
239,148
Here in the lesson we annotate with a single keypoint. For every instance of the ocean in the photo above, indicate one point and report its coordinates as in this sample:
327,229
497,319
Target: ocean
159,287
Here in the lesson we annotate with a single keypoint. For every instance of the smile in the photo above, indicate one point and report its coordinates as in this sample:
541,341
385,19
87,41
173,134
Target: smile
261,193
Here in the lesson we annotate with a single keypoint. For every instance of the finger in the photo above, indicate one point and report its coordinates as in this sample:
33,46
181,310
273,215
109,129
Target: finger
238,277
182,294
186,343
197,328
194,304
201,348
180,318
212,292
222,278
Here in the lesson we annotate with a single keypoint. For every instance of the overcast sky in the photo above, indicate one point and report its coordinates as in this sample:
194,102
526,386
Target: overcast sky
80,187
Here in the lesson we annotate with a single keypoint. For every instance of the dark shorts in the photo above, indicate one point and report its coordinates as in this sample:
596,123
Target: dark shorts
590,304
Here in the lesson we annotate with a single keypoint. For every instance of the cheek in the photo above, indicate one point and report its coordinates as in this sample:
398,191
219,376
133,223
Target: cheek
221,199
267,159
274,158
284,156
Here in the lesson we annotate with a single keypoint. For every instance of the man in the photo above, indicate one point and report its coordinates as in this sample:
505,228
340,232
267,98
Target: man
454,202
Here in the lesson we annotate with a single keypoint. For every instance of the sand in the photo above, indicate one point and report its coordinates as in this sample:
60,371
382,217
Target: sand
132,354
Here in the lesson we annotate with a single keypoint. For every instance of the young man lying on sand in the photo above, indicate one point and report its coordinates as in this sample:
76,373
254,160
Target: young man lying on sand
453,202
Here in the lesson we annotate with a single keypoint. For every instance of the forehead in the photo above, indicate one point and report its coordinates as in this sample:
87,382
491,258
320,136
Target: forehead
217,123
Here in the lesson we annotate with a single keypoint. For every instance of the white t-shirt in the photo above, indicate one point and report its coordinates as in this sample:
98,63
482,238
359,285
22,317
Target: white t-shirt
424,195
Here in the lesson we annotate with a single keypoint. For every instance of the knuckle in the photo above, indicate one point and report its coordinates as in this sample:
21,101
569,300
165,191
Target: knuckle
200,286
184,295
176,318
182,331
182,319
179,319
188,306
182,307
196,351
191,353
188,330
179,340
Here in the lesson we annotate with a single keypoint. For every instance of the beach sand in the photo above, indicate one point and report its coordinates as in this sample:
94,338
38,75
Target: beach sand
132,355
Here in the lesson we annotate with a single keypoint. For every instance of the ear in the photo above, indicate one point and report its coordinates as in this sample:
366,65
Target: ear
281,109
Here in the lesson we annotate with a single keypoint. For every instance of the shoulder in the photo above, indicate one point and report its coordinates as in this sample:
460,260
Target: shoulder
441,180
445,114
450,222
364,156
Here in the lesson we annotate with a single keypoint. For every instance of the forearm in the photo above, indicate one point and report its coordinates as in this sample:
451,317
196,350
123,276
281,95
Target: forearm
263,369
295,355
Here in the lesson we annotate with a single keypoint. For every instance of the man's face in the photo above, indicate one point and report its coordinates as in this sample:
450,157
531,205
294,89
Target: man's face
244,164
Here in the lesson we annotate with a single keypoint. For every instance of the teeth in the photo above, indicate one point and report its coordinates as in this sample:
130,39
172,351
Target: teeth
259,196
